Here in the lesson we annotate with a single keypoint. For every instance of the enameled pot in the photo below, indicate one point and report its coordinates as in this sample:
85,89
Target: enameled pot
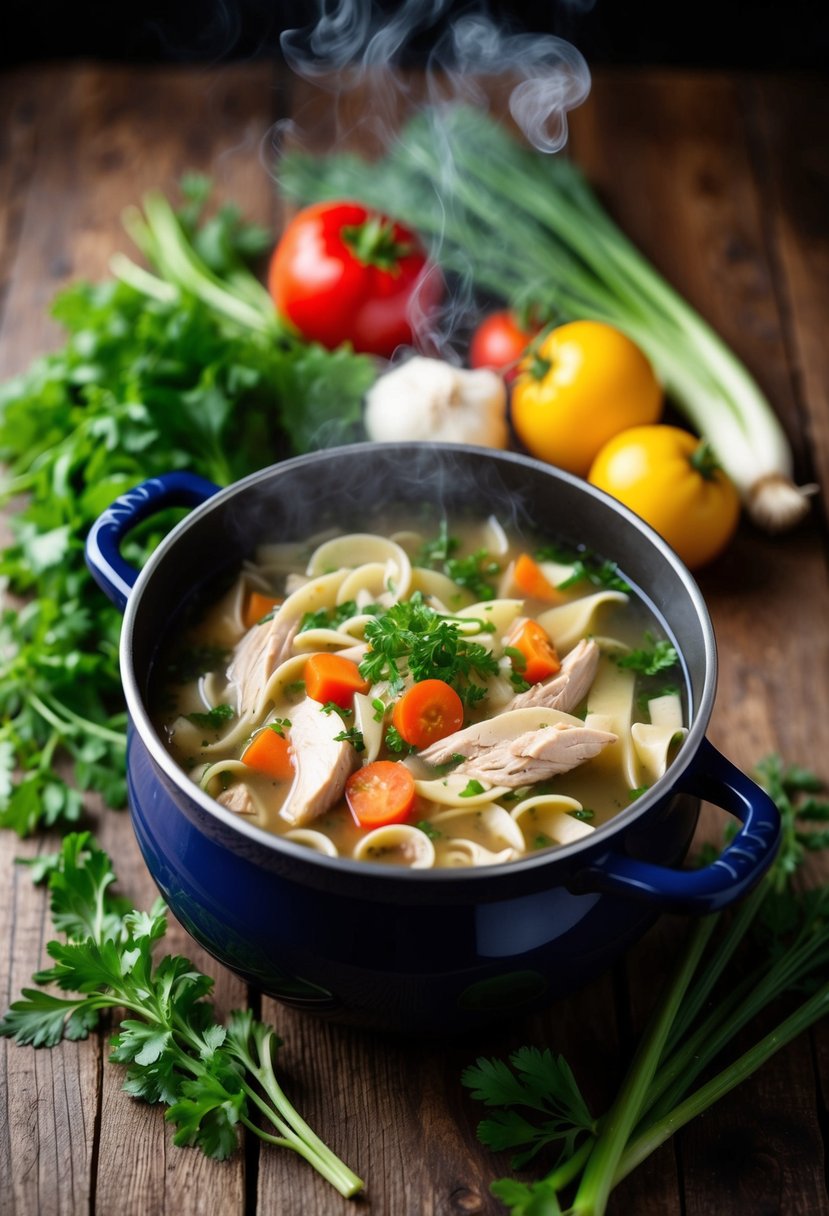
426,951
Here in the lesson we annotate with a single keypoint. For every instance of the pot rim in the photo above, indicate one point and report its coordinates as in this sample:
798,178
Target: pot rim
442,876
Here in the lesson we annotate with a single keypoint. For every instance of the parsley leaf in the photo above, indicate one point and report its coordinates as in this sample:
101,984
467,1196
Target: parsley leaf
412,638
655,656
208,1075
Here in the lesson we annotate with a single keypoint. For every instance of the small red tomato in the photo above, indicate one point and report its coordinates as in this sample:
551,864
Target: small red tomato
499,342
342,273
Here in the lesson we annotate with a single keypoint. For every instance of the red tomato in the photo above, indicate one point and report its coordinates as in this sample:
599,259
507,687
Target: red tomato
498,343
341,273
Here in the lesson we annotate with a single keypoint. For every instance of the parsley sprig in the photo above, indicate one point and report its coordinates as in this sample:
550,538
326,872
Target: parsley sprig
214,1079
410,637
155,374
473,572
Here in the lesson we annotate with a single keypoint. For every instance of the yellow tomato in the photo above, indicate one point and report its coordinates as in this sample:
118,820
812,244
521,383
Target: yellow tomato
585,382
671,479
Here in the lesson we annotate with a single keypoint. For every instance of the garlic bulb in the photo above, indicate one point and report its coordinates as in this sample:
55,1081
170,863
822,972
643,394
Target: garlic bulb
429,399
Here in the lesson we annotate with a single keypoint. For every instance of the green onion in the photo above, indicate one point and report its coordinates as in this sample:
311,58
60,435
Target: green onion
529,229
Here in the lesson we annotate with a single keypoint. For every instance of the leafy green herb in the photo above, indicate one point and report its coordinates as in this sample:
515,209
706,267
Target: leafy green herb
473,572
471,789
776,939
212,1078
396,743
329,618
161,369
411,637
353,736
212,718
537,1099
280,726
429,829
654,657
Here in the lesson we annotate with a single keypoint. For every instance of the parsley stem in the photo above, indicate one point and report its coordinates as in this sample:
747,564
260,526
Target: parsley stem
70,722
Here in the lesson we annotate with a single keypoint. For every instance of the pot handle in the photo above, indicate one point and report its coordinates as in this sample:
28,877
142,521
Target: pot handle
742,863
113,574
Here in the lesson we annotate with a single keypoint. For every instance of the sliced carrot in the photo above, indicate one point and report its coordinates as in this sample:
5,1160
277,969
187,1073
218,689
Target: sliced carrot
269,752
539,653
428,711
330,677
256,607
379,793
531,580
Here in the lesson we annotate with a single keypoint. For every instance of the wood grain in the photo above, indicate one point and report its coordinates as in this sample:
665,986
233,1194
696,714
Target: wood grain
722,181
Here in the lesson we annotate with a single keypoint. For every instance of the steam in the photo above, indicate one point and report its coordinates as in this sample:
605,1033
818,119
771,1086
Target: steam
353,43
358,55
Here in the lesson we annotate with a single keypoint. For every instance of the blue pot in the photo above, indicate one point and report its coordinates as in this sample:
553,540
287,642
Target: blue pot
413,950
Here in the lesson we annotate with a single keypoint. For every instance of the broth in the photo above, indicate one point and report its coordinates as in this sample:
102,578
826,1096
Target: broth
460,599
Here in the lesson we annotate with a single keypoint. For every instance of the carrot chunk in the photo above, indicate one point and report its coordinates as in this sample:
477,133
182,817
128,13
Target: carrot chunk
428,711
540,659
269,752
531,580
380,793
256,607
330,677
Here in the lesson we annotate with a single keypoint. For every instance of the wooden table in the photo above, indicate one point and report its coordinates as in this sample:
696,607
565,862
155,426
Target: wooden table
724,182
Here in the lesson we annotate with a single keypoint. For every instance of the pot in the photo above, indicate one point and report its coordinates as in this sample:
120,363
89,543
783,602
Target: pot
416,951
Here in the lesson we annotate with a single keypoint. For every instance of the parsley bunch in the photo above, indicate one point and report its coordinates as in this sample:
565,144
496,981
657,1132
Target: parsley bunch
181,366
212,1078
780,936
410,637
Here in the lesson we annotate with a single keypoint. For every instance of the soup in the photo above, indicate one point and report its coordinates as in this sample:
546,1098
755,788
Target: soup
424,697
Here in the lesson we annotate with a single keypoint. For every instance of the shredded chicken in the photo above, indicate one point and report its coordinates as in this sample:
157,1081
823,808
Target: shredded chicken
238,798
567,689
322,763
534,756
258,655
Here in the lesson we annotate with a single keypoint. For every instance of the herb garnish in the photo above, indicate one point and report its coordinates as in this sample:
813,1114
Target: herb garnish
213,1078
655,656
472,572
212,718
412,638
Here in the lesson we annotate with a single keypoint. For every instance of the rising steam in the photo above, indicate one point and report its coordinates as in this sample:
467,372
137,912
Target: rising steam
358,55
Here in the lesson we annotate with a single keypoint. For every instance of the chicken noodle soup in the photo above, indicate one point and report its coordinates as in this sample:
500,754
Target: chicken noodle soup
456,697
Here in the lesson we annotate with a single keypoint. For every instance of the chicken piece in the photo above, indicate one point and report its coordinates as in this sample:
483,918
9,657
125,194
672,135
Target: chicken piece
519,747
238,798
258,655
322,763
568,688
534,756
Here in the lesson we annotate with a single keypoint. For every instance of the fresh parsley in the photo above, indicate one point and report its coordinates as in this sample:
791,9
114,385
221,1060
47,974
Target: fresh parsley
410,637
213,1078
154,375
655,656
212,719
474,572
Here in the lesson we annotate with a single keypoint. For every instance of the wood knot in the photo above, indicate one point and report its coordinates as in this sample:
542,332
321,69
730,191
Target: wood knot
466,1201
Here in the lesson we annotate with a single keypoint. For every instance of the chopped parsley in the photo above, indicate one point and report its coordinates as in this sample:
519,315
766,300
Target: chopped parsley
332,618
212,718
353,736
412,638
587,567
655,656
471,789
429,829
190,662
472,572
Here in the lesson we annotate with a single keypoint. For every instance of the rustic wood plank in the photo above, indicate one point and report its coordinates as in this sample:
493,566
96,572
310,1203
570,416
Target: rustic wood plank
110,140
671,155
